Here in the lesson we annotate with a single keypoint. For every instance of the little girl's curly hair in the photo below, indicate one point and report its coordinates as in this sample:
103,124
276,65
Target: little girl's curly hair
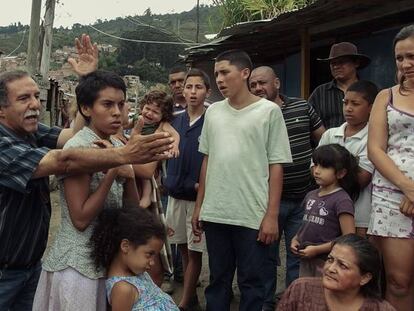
137,225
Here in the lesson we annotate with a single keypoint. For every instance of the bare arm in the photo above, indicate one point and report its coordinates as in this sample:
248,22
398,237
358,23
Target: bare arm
196,224
407,207
68,133
79,161
84,207
139,149
347,223
131,196
294,245
269,230
167,127
377,146
317,134
145,170
311,251
364,178
123,296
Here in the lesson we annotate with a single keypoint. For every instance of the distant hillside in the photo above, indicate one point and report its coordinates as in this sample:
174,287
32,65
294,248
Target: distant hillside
149,61
181,25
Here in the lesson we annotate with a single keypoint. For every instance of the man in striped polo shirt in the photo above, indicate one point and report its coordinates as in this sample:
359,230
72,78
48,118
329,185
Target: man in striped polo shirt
303,126
344,61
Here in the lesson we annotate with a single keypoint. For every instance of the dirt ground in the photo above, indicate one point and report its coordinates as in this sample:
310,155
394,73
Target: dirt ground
55,223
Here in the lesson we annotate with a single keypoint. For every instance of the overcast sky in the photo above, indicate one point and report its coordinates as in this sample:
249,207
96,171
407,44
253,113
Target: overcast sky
69,12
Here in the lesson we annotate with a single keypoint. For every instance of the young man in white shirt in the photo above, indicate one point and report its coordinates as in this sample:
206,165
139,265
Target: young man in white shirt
245,142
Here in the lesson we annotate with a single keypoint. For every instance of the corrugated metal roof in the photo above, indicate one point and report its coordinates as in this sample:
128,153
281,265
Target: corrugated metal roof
281,35
242,27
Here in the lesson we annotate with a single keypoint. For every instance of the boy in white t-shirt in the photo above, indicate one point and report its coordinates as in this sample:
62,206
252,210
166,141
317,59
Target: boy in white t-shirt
353,135
244,140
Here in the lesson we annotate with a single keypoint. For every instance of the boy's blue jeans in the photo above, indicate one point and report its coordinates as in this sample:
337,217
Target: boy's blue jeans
290,220
230,247
18,287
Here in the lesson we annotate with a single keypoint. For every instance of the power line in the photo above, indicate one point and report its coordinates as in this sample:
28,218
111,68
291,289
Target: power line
20,44
138,22
141,41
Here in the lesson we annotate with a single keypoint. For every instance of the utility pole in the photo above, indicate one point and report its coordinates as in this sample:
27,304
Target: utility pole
198,20
178,26
33,48
47,40
45,61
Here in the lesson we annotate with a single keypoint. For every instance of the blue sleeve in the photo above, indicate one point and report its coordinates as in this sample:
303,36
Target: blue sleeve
18,161
47,136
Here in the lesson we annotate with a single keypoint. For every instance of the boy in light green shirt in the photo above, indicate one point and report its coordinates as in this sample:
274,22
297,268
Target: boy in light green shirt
245,141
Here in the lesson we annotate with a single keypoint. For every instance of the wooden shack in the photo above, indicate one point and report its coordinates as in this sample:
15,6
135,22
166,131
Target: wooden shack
292,42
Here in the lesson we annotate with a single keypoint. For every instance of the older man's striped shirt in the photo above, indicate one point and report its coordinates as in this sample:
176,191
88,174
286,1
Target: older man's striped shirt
301,120
24,202
327,99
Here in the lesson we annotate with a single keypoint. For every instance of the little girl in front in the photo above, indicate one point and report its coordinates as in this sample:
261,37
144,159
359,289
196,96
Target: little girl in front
329,210
125,242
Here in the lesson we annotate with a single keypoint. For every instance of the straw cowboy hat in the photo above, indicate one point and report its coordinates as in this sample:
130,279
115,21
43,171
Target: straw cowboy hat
349,50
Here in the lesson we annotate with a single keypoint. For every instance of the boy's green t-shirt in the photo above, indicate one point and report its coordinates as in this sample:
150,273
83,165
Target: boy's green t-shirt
241,144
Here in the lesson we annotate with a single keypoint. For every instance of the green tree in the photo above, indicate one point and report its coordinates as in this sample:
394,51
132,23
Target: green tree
147,12
163,54
150,72
146,70
236,11
76,26
108,61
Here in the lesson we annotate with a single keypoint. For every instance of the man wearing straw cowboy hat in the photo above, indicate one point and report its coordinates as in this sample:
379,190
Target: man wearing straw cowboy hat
344,61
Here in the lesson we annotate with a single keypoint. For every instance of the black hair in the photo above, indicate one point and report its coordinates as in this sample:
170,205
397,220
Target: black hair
367,89
238,58
405,33
369,261
194,72
337,157
178,67
90,85
135,224
5,79
163,100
